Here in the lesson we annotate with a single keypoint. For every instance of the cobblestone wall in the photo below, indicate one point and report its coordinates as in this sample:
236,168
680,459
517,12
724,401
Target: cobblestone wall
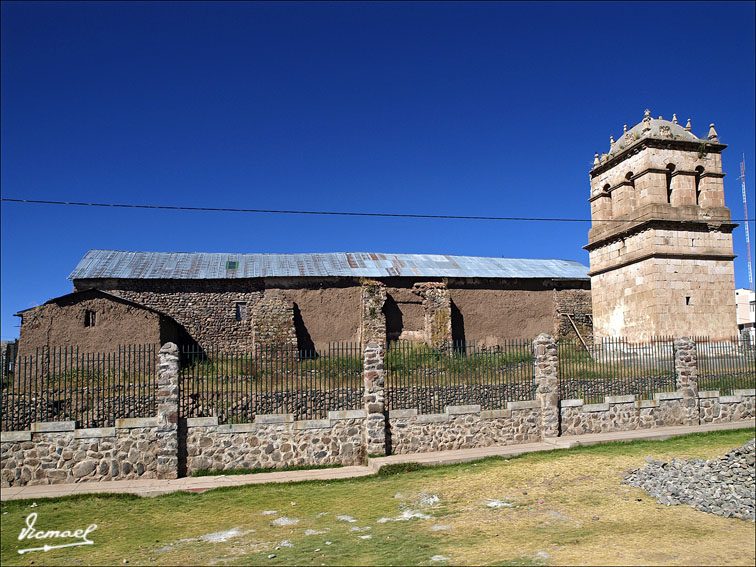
463,427
55,453
624,413
275,441
714,408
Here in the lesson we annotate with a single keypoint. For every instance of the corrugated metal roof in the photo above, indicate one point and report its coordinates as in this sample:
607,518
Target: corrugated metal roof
201,265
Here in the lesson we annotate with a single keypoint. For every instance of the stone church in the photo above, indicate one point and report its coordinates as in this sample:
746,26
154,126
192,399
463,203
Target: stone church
661,263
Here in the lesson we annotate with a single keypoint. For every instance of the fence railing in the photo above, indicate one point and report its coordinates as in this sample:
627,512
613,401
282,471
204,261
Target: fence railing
237,386
725,365
616,367
418,376
92,389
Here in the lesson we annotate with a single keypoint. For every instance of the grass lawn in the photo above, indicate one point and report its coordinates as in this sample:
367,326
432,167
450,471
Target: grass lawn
561,507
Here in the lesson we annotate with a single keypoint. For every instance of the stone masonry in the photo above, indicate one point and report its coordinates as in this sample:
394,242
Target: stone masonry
375,402
273,321
372,318
275,441
547,383
437,310
686,370
167,411
660,247
57,452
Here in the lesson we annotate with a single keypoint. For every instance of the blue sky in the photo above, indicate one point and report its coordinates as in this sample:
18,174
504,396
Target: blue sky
434,108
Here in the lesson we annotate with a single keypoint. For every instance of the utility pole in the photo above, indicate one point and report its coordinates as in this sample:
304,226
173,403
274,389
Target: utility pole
747,230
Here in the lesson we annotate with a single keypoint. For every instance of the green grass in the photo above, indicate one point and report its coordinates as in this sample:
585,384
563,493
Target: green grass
554,499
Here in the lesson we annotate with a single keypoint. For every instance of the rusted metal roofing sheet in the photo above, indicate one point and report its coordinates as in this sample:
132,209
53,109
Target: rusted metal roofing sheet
201,265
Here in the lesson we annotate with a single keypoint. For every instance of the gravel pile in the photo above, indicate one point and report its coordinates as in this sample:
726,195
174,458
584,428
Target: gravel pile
723,486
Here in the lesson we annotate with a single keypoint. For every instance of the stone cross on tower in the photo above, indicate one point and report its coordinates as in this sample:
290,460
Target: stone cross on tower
660,246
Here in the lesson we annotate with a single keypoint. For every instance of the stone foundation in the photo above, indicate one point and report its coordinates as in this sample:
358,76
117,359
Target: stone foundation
625,413
275,441
463,427
714,408
56,452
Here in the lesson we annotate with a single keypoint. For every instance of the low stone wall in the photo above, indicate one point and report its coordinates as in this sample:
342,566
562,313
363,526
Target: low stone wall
275,441
463,427
56,452
433,398
714,408
625,413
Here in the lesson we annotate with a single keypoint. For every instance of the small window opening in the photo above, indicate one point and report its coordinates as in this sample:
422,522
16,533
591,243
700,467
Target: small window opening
670,169
241,311
232,264
687,300
89,318
699,171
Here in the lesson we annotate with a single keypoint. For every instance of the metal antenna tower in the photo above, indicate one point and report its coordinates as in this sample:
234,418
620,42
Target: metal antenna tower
747,232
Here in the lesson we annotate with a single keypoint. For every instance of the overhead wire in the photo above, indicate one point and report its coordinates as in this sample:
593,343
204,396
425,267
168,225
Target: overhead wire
329,213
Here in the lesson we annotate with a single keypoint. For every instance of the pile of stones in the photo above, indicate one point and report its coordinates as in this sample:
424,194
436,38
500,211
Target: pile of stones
723,486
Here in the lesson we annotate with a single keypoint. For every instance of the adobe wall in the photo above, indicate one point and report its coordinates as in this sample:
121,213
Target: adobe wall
484,311
115,323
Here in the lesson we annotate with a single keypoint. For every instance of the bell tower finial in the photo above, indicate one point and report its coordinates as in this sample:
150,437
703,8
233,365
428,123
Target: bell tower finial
713,136
687,126
674,118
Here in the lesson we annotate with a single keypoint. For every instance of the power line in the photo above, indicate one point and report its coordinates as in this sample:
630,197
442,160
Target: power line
293,212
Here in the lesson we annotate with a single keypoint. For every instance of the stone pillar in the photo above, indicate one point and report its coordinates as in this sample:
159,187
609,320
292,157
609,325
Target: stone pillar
545,363
372,318
686,374
273,322
437,307
167,411
375,426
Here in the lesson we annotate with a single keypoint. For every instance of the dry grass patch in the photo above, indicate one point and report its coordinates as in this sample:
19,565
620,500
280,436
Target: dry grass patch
561,507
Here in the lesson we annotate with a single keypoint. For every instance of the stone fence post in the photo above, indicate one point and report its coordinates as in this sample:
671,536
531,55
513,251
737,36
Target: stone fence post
167,411
686,375
375,425
545,364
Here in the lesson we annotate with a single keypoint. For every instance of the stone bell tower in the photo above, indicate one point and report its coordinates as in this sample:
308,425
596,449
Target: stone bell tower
660,246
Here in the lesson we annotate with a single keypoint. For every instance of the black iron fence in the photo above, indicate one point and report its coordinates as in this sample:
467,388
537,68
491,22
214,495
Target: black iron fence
616,367
92,389
725,365
418,376
237,386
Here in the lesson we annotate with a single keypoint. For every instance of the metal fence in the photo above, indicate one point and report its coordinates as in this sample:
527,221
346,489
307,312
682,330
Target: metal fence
92,389
725,365
237,386
616,367
418,376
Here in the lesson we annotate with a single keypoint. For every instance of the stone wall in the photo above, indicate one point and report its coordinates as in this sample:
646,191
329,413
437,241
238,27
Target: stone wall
437,313
577,304
463,427
625,413
273,321
275,441
714,408
166,447
56,452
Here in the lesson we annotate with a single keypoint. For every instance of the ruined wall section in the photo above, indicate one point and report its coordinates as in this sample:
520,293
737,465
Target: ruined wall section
578,305
114,323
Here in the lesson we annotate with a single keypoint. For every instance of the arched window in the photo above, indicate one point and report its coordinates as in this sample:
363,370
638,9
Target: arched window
670,169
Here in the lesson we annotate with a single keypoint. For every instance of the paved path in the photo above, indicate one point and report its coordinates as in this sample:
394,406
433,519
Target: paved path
153,487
